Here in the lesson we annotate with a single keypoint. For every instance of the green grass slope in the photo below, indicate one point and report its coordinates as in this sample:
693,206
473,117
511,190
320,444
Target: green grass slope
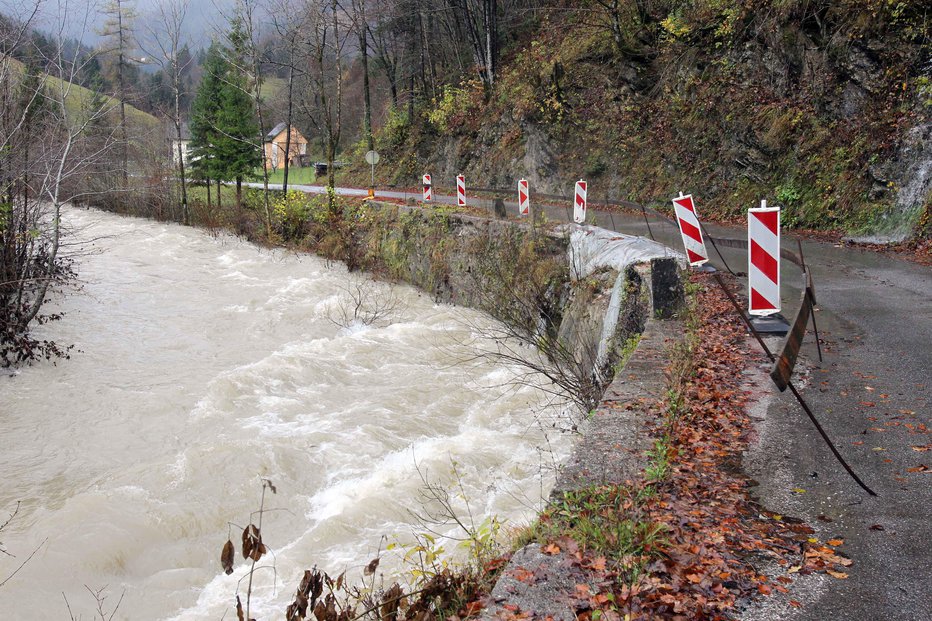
78,99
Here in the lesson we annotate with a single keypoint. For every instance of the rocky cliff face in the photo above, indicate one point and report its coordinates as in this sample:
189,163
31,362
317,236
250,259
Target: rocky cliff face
821,107
910,173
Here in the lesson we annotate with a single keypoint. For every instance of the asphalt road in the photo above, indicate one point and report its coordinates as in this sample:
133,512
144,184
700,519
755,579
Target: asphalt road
872,395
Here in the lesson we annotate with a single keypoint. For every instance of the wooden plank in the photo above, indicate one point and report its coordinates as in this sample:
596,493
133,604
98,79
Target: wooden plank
785,363
811,286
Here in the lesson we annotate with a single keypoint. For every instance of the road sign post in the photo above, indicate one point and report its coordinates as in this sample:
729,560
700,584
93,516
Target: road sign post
372,157
428,193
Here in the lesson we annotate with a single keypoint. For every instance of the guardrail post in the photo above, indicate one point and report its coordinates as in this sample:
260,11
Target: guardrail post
792,388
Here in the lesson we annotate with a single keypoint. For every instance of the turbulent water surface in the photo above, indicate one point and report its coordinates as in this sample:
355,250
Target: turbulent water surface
204,364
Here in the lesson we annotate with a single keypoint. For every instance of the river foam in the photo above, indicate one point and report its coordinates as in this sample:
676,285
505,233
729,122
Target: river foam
207,364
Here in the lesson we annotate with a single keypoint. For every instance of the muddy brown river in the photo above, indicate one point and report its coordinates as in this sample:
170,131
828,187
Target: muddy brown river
204,364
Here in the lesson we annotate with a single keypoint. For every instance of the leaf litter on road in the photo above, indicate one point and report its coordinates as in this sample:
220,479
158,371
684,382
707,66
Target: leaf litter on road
715,537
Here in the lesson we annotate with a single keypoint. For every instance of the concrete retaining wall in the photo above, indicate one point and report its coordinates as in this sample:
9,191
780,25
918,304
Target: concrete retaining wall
586,288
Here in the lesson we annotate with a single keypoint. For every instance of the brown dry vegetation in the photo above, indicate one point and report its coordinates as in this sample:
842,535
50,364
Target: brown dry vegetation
806,103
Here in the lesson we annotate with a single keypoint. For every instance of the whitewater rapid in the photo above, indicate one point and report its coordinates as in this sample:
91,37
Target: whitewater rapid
203,364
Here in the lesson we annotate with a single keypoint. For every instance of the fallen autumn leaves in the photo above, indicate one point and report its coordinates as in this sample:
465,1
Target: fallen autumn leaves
715,541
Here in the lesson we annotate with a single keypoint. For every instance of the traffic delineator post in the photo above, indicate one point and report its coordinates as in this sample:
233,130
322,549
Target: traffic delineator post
461,190
428,189
579,204
524,198
764,260
690,230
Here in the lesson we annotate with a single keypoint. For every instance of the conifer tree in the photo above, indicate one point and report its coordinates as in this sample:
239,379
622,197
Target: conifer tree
205,112
240,137
224,131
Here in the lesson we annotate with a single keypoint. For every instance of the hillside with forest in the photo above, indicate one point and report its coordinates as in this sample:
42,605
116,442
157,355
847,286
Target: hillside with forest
821,107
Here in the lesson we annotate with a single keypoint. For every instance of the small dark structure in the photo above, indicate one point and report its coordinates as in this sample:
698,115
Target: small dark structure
320,168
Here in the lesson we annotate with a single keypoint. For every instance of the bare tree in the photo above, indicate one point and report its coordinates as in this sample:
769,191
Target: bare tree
384,38
248,58
64,157
167,37
289,23
61,151
4,552
481,18
118,29
543,360
364,302
324,41
100,600
361,25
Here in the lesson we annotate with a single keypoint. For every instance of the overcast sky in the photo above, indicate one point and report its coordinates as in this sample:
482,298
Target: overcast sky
85,19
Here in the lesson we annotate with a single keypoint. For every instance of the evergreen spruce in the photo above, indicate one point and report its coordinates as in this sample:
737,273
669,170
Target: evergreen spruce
224,131
240,138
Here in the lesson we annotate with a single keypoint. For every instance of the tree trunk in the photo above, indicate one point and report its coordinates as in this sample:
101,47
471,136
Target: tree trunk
422,49
25,170
334,124
288,121
483,35
185,216
124,140
331,177
411,99
219,199
185,213
361,28
491,39
393,88
239,195
55,196
427,28
265,162
257,95
209,203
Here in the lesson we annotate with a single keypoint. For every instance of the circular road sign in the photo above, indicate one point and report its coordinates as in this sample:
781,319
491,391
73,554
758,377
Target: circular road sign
372,157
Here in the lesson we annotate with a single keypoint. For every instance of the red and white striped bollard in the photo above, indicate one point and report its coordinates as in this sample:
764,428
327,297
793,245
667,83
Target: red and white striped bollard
524,198
461,190
690,230
764,260
579,205
428,189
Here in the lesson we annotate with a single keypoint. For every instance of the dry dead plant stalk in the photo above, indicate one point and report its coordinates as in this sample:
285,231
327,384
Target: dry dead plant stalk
364,303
